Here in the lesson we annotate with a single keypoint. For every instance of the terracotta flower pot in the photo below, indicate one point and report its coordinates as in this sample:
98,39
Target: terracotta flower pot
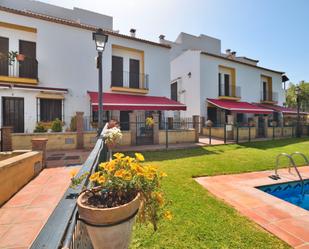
109,228
20,57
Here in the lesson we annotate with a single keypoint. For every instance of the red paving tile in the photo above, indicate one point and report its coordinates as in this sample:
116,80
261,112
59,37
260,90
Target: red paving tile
285,220
23,216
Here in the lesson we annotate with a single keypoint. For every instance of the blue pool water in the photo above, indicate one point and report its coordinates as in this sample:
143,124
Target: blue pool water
290,192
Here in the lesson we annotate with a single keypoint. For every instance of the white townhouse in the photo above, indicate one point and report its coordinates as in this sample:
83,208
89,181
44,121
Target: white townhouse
48,67
223,87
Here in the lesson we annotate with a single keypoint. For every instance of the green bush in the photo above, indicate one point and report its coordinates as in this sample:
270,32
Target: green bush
73,124
39,128
56,125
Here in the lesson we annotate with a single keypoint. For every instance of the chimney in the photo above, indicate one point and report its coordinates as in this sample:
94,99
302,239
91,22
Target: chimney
133,32
228,51
161,38
233,54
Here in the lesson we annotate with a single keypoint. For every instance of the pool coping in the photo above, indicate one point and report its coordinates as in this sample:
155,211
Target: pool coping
283,219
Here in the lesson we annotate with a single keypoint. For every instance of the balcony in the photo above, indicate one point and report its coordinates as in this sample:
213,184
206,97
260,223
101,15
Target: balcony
130,82
23,71
269,97
229,92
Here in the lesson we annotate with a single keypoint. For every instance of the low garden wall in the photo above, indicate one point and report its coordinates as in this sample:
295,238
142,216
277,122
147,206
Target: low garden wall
279,132
218,132
56,140
61,140
177,136
243,133
17,171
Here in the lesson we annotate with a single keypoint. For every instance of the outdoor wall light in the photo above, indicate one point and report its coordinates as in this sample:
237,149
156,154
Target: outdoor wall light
100,39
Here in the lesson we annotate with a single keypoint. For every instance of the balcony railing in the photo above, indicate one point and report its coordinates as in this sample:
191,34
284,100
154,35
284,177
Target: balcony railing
129,80
28,68
269,96
230,91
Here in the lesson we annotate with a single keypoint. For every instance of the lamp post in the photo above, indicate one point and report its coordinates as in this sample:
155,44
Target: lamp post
298,93
100,41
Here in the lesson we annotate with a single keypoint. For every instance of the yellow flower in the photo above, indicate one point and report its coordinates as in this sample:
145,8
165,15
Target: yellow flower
118,155
163,174
127,176
149,176
168,215
103,165
151,169
73,172
119,173
139,157
111,166
101,180
94,176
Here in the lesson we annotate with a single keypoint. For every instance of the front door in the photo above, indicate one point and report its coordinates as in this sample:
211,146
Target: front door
261,126
125,120
13,113
28,67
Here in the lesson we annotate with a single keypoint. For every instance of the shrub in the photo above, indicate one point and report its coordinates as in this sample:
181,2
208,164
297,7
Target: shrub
56,125
39,128
73,124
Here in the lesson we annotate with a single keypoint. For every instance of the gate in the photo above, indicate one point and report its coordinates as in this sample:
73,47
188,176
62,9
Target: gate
144,131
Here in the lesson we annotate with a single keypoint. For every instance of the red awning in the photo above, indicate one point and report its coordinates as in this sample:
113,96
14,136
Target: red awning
125,102
283,110
239,107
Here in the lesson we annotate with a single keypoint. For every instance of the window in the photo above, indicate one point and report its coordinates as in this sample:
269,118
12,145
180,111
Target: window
226,84
50,109
28,67
134,73
174,91
219,84
117,71
4,49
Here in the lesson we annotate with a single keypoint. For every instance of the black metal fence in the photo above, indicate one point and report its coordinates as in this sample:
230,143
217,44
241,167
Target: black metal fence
27,68
240,133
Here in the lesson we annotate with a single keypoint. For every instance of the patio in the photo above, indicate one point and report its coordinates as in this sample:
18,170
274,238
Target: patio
287,221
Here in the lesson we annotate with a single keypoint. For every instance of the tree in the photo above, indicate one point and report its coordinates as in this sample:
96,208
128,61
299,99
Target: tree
304,97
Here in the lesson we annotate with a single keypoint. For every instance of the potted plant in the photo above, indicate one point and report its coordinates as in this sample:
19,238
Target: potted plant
112,135
56,125
149,122
121,188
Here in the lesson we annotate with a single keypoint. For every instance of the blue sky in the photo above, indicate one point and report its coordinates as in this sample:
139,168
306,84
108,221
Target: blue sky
276,32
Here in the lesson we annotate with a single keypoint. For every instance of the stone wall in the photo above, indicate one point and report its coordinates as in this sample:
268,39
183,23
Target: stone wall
17,171
177,136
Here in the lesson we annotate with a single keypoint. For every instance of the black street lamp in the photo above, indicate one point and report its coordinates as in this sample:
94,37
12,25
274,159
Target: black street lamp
298,93
100,41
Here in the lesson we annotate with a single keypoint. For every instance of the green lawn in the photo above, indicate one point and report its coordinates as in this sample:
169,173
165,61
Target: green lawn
200,220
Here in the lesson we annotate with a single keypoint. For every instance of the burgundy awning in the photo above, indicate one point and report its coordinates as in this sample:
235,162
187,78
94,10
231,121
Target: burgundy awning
239,107
282,109
125,102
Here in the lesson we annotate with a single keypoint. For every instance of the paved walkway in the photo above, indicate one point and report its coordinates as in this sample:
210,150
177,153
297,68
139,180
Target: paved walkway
285,220
23,216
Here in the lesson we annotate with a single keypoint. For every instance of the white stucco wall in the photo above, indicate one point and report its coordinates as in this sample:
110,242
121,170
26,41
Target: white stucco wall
66,59
247,77
188,87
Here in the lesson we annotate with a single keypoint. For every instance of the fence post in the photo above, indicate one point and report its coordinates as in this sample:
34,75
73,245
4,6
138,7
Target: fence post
155,128
166,135
210,134
170,123
6,138
196,124
133,127
202,125
249,133
224,133
273,132
79,130
39,144
237,134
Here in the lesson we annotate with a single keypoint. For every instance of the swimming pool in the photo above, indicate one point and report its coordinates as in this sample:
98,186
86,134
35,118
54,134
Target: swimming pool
290,192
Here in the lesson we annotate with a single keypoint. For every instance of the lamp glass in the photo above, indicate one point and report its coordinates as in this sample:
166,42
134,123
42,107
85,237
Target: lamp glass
100,40
297,90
